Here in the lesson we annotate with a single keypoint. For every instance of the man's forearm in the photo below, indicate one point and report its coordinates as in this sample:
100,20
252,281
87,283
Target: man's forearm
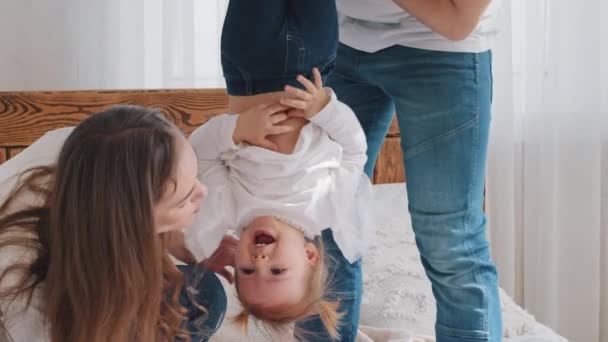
453,19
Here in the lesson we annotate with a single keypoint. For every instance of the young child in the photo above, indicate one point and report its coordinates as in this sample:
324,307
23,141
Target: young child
280,181
278,203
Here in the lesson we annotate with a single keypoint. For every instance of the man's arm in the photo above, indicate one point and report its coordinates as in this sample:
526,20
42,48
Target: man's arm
453,19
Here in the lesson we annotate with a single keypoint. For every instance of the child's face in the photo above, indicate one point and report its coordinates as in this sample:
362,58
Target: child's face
273,263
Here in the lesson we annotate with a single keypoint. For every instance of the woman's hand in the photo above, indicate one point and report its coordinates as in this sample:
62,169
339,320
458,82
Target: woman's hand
256,124
222,258
306,103
453,19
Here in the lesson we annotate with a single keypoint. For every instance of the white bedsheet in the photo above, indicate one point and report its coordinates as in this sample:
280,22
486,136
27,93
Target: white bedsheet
398,305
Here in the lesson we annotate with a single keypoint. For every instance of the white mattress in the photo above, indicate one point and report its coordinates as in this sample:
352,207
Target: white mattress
397,303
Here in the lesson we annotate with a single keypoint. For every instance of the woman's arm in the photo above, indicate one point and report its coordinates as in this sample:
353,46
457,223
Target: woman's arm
453,19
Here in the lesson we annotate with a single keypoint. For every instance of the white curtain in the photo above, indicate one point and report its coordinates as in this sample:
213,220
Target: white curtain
547,184
548,163
110,44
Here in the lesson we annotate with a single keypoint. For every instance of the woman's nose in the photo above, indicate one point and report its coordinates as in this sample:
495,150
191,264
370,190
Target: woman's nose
201,192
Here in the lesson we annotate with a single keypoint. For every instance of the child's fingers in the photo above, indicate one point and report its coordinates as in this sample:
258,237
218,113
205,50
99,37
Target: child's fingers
297,113
310,87
299,104
274,130
318,78
298,93
274,109
277,118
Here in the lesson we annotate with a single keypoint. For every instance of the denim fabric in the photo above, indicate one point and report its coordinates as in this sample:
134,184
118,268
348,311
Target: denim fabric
442,101
345,286
266,44
208,292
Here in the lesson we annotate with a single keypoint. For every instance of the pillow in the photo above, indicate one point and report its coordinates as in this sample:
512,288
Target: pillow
42,152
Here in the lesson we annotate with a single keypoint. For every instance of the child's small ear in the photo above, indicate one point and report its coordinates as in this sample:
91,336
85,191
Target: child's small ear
312,253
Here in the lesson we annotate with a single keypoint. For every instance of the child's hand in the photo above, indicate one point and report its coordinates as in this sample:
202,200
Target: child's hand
306,102
223,257
256,124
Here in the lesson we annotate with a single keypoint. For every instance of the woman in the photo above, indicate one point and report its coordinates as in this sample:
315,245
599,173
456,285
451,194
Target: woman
84,242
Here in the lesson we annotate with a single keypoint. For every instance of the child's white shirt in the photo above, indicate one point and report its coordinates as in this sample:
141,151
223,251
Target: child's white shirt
320,185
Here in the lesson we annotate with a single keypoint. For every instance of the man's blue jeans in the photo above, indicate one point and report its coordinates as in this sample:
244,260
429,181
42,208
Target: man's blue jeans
442,101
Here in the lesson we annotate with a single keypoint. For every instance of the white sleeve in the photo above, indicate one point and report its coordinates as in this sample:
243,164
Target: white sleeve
214,137
339,121
210,141
351,193
217,210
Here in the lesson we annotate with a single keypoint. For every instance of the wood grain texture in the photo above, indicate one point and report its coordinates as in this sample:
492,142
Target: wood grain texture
26,116
389,167
13,151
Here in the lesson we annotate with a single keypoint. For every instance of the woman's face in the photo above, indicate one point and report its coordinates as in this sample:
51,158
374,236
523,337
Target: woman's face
183,193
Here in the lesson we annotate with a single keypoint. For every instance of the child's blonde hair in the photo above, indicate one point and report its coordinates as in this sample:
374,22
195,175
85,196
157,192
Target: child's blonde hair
314,303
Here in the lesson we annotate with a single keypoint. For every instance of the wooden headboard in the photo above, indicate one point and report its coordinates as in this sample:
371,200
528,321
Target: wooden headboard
26,116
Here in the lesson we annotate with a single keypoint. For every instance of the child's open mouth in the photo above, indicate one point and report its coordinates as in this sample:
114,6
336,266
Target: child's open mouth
263,238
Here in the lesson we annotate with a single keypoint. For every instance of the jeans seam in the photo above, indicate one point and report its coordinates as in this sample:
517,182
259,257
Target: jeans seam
245,76
323,67
460,333
491,76
290,37
473,185
287,39
408,153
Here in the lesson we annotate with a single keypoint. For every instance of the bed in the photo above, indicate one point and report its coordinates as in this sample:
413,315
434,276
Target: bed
397,304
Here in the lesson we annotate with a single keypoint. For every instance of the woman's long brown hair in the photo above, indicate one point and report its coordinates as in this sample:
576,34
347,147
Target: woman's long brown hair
101,269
